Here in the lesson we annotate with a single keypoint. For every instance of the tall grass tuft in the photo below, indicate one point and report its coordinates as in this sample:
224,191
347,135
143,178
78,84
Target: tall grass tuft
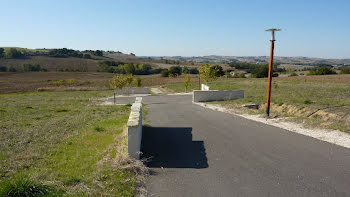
24,187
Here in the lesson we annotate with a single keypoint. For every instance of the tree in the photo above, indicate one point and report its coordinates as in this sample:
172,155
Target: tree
138,81
165,73
129,79
218,71
261,71
322,71
185,70
98,53
3,69
2,52
119,81
13,53
175,71
87,56
187,82
207,74
129,68
27,67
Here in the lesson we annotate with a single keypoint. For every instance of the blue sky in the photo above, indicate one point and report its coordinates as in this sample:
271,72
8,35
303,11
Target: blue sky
313,28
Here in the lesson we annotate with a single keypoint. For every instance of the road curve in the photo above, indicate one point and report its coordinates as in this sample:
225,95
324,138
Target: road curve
194,151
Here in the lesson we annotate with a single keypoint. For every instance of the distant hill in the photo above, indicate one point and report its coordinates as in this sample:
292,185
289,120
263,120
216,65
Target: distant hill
67,59
254,59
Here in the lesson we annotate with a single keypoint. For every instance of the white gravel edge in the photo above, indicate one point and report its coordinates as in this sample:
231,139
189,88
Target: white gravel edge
331,136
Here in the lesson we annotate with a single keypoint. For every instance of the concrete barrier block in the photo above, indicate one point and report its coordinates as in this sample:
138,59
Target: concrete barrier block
216,95
134,129
131,90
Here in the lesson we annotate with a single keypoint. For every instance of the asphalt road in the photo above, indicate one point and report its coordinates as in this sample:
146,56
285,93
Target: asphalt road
194,151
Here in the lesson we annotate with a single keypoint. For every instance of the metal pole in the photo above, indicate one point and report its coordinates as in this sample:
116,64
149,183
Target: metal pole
270,78
270,70
114,97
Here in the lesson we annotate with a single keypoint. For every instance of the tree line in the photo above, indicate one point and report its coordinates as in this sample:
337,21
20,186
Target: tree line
119,67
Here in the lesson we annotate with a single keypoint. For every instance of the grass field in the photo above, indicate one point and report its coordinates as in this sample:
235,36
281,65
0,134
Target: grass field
324,101
62,143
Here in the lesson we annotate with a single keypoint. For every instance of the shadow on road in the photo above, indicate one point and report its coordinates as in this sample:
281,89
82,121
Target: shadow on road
172,147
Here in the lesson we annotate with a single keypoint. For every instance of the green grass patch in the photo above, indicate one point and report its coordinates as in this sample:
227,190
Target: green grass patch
59,138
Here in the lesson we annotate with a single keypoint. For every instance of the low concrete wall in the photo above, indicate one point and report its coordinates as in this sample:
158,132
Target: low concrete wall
204,87
131,90
135,129
216,95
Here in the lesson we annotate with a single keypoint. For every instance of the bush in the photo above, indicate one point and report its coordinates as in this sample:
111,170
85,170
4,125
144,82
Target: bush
345,70
293,74
2,52
13,53
218,71
275,75
239,75
3,69
322,71
27,67
11,68
87,56
175,71
138,82
120,81
194,71
261,71
165,73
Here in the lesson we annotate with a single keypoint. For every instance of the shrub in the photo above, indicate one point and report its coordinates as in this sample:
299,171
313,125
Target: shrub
187,82
322,71
87,56
23,186
345,70
138,82
3,69
307,101
175,71
2,52
275,75
239,75
27,67
194,71
165,73
293,74
261,71
11,68
120,81
185,70
218,71
13,53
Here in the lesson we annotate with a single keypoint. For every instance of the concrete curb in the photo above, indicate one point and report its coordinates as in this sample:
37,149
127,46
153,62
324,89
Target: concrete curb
134,129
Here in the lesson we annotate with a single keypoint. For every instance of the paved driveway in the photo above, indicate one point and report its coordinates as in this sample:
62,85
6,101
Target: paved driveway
195,151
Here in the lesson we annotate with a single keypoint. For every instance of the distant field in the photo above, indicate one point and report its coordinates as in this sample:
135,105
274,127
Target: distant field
325,100
63,142
34,81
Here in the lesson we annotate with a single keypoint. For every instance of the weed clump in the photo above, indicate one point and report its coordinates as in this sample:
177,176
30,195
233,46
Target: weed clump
99,129
307,102
24,187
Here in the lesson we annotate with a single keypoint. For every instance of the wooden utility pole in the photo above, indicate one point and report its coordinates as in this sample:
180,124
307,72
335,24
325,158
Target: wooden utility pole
270,70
